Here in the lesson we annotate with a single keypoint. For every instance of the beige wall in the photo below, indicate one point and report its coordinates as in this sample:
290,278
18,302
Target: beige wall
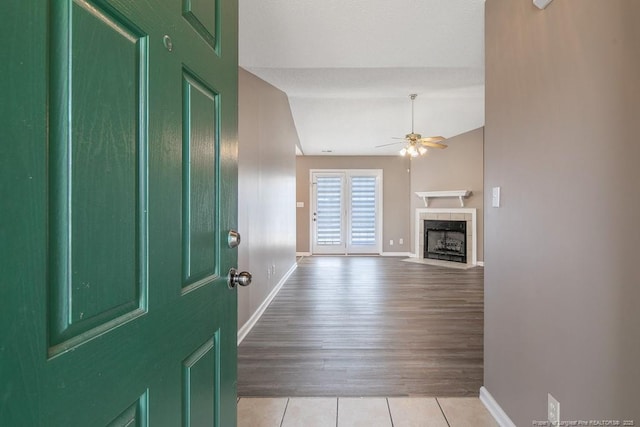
562,282
459,167
266,189
395,193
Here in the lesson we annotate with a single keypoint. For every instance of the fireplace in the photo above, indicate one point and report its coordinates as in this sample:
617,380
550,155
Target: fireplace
445,240
468,215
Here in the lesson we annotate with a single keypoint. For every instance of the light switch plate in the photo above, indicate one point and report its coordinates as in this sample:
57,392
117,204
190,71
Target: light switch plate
495,197
299,204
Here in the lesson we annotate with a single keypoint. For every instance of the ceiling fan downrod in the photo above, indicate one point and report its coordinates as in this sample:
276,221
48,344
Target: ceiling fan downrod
413,98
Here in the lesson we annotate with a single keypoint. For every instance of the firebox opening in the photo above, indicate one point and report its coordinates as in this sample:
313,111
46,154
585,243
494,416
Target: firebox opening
445,240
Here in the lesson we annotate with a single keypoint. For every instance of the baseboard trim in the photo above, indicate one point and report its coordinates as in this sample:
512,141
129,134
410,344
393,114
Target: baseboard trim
246,328
404,254
303,253
494,409
480,263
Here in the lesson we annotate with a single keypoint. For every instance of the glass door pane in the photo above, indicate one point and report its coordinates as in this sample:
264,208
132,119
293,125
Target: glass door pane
363,210
329,213
363,213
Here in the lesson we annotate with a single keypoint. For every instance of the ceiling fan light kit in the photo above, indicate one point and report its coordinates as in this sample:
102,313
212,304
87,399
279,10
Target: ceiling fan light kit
413,150
415,144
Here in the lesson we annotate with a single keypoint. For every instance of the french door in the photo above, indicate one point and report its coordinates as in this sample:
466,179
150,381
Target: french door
346,214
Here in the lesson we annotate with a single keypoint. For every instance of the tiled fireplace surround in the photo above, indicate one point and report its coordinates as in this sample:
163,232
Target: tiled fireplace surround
456,214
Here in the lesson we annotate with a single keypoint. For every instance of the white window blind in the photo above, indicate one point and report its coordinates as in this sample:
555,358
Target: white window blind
329,210
363,210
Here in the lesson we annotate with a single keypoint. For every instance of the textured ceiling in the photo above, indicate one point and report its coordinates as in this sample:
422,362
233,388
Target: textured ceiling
348,67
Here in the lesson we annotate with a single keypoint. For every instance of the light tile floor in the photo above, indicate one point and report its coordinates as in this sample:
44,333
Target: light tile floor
366,412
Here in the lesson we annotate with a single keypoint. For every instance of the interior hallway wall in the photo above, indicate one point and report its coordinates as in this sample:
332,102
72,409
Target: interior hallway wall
266,189
562,283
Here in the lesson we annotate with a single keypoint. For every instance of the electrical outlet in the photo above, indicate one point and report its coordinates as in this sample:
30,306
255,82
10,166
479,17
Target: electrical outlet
553,410
390,242
401,241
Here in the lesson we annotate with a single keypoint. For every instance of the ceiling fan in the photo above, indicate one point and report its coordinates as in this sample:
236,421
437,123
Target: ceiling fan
415,144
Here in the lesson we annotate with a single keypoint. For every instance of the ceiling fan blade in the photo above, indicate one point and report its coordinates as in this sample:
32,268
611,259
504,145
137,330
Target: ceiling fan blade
397,137
393,143
433,144
432,139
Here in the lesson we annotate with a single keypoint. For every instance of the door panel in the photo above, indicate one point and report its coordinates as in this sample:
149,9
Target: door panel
363,214
135,415
119,182
200,385
98,233
199,166
203,16
328,213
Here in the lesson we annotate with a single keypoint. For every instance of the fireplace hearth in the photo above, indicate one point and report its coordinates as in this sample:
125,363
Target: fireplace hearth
445,240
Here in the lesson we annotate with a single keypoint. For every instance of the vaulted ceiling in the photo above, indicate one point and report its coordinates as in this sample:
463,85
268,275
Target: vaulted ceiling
348,67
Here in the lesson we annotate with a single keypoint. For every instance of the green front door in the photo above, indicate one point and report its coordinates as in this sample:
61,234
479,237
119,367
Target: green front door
118,190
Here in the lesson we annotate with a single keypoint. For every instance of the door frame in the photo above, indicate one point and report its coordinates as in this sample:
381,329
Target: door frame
348,173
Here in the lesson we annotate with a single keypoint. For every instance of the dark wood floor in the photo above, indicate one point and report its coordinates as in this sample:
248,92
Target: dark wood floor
368,326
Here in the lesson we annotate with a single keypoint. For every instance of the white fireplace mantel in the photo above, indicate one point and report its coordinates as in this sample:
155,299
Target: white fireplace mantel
460,194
